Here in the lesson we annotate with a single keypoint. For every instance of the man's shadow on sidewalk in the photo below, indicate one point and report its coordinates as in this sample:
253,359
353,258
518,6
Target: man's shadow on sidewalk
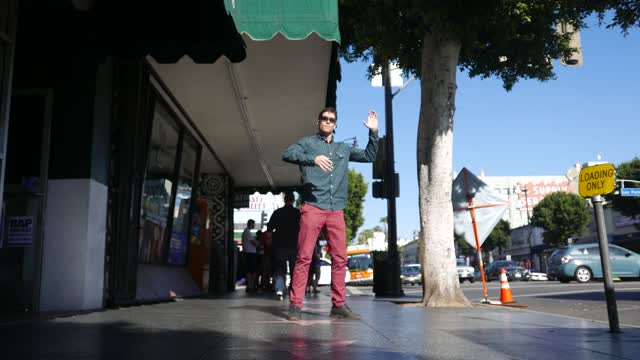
279,310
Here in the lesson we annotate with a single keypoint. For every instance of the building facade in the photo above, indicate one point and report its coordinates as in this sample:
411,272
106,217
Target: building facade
127,140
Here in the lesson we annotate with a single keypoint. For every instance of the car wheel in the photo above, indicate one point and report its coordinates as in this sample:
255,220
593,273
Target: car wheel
583,274
472,280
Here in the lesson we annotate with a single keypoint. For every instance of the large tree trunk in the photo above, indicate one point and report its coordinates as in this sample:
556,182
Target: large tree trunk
435,146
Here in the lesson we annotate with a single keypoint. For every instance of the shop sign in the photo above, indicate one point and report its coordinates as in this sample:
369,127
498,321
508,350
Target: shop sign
622,221
20,231
537,191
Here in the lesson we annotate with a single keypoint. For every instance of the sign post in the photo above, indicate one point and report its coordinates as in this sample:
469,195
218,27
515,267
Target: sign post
596,181
486,208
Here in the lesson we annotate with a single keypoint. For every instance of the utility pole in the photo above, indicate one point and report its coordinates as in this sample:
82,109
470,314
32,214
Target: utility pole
390,179
526,200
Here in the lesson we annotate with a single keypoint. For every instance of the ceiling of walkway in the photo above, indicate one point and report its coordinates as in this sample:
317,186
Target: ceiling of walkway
251,111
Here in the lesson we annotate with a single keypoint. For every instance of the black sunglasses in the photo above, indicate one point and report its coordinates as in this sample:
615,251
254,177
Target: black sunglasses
329,119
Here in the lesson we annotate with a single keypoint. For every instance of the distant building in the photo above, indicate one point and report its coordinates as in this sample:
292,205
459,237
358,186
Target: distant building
525,192
410,252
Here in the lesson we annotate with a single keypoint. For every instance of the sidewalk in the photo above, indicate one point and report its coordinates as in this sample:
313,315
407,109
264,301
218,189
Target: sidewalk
253,327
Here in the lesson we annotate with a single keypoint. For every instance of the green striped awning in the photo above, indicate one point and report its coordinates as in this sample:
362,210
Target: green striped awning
295,19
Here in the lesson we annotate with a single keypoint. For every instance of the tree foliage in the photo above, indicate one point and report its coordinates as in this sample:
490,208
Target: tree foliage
499,236
508,39
365,235
629,206
562,215
356,191
464,248
432,39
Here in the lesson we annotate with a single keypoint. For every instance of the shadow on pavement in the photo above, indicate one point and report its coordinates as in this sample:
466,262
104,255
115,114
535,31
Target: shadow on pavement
83,339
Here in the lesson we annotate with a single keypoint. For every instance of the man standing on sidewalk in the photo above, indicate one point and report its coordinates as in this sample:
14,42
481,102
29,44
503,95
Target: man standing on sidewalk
286,223
324,166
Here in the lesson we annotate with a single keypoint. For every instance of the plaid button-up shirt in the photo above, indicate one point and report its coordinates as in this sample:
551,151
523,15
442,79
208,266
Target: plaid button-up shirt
327,190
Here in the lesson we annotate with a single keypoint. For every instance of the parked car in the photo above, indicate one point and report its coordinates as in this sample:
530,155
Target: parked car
538,276
325,273
465,272
513,270
582,263
410,274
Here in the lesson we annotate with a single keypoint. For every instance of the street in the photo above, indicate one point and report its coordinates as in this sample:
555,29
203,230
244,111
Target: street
584,301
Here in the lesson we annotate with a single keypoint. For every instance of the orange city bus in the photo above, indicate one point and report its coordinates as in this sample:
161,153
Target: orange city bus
360,264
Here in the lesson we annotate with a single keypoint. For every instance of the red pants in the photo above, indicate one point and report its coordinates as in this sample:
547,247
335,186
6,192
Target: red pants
312,220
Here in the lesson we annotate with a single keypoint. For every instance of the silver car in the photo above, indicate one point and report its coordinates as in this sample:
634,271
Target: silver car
465,272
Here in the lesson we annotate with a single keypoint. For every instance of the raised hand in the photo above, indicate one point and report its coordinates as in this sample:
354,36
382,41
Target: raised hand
323,163
372,121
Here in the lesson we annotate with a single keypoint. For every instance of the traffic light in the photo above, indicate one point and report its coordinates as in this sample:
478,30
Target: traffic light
574,42
380,189
264,219
379,162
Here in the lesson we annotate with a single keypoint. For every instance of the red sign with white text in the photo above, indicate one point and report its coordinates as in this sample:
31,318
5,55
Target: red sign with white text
536,192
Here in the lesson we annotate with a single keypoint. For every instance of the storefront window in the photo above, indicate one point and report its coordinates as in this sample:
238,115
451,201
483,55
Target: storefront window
157,188
181,210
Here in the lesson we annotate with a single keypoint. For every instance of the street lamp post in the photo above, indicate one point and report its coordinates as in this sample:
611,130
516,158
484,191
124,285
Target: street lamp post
526,200
394,258
355,141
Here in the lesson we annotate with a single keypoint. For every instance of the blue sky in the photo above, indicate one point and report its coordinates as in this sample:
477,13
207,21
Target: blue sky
539,128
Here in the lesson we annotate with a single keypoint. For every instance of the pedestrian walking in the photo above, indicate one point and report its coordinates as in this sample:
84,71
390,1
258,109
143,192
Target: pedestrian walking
265,261
324,166
249,248
314,271
284,225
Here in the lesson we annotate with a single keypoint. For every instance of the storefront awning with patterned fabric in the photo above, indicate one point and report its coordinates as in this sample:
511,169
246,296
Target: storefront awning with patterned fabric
295,19
251,111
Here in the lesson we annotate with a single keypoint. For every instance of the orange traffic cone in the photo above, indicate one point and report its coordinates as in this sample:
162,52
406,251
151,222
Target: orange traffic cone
505,290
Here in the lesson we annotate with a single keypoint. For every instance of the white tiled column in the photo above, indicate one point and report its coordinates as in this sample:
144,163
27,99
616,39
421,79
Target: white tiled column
74,245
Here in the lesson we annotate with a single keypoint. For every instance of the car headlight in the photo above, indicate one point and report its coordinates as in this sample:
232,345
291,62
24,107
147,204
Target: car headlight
566,259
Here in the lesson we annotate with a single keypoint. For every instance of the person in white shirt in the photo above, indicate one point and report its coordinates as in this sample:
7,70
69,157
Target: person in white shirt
249,247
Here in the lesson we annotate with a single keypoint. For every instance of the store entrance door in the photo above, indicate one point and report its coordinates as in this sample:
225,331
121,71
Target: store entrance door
24,200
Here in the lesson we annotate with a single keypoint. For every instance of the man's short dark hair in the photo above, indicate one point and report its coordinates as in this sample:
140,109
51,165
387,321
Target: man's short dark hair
251,222
288,197
328,109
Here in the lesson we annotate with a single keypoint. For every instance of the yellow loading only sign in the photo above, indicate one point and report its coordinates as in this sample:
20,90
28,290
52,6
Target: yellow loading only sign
597,180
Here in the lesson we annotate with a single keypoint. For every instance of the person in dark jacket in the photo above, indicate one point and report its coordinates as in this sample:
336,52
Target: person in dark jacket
284,225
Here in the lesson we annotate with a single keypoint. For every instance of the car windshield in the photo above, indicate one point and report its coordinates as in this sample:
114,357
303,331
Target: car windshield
409,270
359,262
558,253
461,262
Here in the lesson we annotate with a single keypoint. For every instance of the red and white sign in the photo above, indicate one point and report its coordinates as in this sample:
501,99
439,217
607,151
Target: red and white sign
256,201
537,191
